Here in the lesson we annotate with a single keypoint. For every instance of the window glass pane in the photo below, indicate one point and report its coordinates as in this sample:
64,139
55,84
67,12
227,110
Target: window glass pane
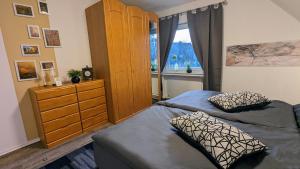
153,47
182,53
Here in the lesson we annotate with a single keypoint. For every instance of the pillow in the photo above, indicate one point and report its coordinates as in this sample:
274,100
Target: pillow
239,101
297,114
225,143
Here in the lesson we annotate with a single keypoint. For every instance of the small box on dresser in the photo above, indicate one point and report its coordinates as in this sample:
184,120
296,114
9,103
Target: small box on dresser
65,112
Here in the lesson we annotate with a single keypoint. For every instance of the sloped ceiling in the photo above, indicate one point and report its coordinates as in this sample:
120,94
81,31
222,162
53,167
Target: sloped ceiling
156,5
290,6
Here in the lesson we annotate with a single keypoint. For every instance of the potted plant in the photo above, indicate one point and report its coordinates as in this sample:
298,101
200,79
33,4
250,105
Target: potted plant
74,75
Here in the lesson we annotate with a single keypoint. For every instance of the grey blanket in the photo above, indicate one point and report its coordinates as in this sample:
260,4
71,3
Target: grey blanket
148,141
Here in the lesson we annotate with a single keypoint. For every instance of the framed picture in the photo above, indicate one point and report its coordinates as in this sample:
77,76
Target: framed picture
26,70
51,38
23,10
47,65
34,31
30,50
43,7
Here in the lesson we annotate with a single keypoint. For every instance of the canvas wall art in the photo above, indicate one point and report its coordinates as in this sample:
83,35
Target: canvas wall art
26,70
30,50
47,65
51,38
264,54
33,31
43,7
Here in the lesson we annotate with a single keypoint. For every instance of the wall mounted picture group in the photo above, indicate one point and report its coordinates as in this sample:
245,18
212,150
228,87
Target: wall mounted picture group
264,54
27,70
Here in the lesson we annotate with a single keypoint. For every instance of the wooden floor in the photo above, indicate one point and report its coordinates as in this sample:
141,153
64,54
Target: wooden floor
34,156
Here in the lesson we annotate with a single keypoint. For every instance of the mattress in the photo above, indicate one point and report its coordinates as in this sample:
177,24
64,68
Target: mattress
148,141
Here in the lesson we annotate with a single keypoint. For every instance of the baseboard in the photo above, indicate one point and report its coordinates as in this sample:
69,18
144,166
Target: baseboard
19,146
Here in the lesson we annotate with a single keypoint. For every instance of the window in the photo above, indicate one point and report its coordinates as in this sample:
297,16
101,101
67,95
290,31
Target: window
182,53
153,46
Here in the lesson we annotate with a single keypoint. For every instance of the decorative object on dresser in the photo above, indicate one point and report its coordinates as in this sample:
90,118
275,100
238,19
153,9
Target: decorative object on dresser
119,42
65,112
74,75
87,73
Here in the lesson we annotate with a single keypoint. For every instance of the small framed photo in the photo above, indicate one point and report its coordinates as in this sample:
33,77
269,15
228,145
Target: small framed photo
51,38
47,65
30,50
43,7
26,70
23,10
34,31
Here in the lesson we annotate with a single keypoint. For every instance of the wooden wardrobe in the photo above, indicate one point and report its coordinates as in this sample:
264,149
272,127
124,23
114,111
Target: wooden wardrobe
120,49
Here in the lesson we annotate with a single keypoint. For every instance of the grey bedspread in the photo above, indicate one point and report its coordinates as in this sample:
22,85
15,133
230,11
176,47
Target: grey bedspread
148,141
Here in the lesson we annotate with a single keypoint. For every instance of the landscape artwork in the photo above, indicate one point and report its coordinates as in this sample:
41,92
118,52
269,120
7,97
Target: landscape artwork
47,65
30,50
23,10
26,70
51,38
264,54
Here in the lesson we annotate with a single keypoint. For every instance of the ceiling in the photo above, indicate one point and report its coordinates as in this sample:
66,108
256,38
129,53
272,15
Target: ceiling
156,5
290,6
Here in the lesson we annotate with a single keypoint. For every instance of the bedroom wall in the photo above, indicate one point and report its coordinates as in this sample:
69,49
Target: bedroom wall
68,16
256,21
14,30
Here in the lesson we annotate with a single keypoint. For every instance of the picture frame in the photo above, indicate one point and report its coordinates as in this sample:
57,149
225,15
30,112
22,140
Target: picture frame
23,10
43,7
47,65
34,31
51,38
30,50
26,70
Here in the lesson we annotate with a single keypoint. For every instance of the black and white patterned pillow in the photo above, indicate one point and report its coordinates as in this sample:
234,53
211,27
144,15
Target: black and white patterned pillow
225,143
239,101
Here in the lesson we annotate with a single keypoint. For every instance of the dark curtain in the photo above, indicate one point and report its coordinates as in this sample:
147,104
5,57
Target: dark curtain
167,31
206,30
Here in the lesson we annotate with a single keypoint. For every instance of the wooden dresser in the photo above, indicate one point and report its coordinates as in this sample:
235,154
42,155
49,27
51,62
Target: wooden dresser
67,111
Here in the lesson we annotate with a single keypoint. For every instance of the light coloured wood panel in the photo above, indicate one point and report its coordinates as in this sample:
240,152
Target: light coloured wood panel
59,112
93,111
47,93
91,103
99,119
63,132
62,140
61,122
82,96
89,85
49,104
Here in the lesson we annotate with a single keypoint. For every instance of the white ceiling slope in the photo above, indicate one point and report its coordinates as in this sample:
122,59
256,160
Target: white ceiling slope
156,5
290,6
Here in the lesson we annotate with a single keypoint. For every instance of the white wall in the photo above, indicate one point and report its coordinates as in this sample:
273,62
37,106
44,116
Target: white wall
68,16
256,21
11,125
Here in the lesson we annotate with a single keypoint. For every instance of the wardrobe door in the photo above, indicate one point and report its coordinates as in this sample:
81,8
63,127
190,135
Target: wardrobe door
119,58
140,63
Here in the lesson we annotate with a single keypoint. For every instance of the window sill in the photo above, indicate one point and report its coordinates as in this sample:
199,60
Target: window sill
183,74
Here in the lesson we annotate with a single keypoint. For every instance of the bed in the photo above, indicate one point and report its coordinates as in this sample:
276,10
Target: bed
148,141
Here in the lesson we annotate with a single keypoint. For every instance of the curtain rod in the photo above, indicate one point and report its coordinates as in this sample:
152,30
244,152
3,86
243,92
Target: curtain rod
225,2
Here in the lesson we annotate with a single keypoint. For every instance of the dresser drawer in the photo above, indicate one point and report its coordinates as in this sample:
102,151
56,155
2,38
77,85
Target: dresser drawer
49,104
93,111
91,103
89,85
54,92
59,112
91,94
99,119
63,132
61,122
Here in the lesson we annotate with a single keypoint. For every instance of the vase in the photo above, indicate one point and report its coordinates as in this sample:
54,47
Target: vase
75,79
189,70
